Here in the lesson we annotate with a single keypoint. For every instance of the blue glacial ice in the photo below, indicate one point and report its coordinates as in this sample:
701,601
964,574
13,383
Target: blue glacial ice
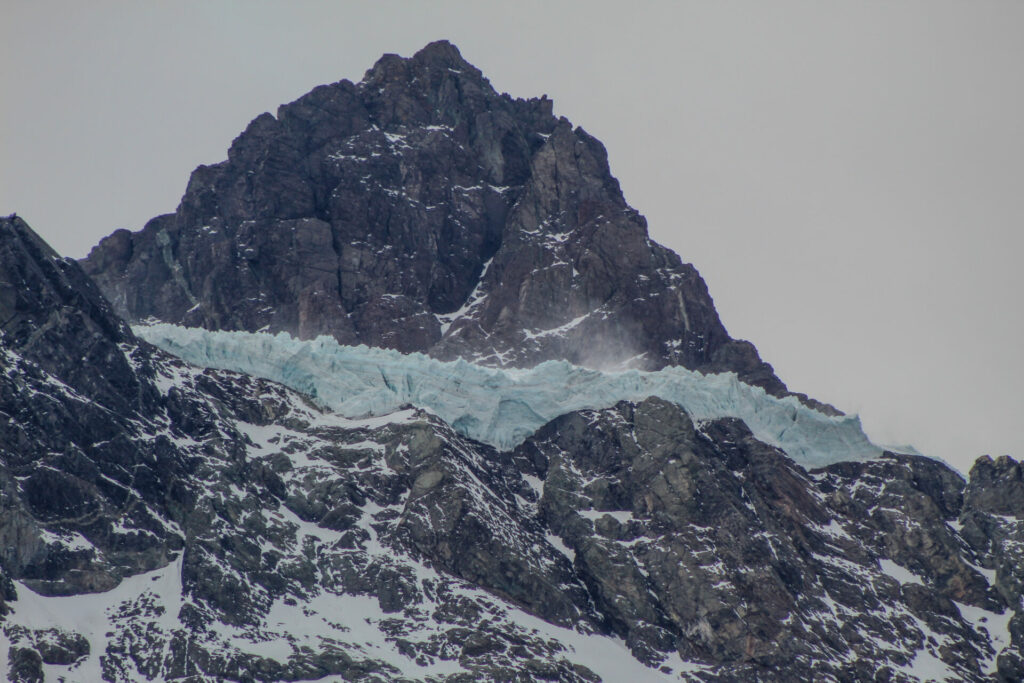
502,407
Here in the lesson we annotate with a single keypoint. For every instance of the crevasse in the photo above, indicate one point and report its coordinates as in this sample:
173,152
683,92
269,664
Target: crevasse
502,407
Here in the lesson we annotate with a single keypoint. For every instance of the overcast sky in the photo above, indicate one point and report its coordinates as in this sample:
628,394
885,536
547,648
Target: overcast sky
848,177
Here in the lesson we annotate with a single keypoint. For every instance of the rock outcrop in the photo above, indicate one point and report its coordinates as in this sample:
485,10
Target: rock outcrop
71,404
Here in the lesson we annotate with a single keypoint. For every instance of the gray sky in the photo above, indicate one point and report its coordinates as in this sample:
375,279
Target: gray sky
848,177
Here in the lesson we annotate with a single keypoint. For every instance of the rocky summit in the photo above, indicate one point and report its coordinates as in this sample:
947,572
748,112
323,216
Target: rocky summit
420,210
163,521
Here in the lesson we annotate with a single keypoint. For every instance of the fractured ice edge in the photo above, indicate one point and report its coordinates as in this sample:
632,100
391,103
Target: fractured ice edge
502,407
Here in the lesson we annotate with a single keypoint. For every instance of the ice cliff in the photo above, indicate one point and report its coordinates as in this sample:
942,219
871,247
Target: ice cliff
502,407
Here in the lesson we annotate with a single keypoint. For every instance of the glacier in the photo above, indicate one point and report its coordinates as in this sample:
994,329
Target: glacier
502,407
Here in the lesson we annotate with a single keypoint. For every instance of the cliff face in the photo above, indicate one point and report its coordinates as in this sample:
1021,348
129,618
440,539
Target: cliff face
71,405
420,210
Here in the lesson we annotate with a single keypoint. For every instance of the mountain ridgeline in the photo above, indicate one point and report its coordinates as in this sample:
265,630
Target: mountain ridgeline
161,521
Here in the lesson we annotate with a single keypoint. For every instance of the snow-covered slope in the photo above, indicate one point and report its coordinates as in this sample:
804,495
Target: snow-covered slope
502,407
288,626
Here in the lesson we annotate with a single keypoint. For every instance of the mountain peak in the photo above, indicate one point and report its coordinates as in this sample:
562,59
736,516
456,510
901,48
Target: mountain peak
52,315
420,210
441,52
439,59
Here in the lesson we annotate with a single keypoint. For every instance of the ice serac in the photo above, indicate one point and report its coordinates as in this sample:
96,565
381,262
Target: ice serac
503,407
421,210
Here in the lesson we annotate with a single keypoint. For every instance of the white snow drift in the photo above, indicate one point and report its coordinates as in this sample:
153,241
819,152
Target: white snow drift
502,407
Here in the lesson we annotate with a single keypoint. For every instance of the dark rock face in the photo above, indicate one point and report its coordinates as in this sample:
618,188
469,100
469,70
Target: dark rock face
71,402
421,210
993,525
703,540
24,666
997,487
53,315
